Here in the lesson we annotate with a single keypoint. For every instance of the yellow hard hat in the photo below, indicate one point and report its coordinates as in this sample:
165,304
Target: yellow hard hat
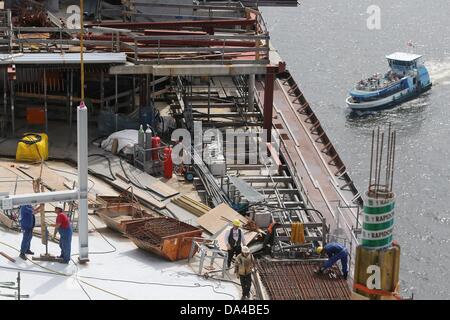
319,250
236,223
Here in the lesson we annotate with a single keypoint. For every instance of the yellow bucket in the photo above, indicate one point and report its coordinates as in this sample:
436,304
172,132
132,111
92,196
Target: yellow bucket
32,147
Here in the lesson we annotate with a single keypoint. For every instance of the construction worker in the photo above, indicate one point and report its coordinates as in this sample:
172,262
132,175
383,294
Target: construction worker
65,231
335,252
243,269
234,239
270,236
27,223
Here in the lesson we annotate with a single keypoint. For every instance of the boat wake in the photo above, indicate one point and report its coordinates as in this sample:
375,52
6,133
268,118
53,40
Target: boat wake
439,72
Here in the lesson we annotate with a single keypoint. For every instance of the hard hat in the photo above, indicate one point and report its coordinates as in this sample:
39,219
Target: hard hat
236,223
245,249
59,205
319,250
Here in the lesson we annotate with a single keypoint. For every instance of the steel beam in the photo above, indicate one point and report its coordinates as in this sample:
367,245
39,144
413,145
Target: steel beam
178,24
251,93
268,101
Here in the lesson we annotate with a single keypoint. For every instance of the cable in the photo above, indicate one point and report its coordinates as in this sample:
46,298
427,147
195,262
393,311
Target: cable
30,142
50,271
195,285
112,178
54,272
140,186
72,173
104,238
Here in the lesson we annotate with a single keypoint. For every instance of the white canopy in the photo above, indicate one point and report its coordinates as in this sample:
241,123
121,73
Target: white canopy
403,56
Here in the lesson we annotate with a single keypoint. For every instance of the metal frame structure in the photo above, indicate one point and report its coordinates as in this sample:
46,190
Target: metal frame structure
79,194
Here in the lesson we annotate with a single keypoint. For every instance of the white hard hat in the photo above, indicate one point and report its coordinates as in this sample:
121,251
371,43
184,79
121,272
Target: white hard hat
59,205
245,249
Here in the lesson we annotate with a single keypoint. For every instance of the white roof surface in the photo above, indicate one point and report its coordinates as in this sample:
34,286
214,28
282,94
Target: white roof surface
403,56
125,273
117,268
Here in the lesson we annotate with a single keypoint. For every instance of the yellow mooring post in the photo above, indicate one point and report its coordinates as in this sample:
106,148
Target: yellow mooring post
377,263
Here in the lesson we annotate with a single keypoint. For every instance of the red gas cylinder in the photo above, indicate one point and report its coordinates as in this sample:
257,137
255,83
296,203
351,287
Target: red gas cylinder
168,165
156,143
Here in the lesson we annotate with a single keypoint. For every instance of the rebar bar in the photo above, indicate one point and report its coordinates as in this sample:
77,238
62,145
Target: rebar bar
297,281
377,188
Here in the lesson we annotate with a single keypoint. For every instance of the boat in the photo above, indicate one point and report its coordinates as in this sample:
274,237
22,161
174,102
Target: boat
407,79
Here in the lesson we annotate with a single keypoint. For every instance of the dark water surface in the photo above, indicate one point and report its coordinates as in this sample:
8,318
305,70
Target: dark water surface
328,47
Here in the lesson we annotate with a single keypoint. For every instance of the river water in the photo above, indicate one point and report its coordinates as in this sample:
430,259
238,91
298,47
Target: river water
328,47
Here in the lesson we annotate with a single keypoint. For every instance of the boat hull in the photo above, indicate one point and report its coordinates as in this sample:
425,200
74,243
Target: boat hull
388,102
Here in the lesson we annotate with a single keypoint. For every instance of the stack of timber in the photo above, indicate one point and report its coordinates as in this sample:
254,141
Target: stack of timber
195,207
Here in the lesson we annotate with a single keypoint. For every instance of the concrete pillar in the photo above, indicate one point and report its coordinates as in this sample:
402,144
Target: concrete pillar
251,93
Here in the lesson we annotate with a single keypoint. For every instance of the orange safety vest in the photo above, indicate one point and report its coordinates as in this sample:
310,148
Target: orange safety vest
269,229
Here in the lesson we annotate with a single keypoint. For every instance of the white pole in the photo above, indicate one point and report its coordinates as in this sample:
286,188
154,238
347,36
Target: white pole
82,143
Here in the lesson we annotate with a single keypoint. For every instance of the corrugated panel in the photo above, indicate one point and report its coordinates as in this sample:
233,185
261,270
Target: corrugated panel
67,58
297,281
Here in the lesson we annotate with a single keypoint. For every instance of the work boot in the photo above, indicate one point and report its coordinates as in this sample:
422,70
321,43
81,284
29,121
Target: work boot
23,256
345,275
29,252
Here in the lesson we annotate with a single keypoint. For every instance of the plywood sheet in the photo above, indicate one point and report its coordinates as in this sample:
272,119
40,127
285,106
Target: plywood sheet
218,217
139,177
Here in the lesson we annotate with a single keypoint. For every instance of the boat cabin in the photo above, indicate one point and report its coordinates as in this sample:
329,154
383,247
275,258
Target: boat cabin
401,63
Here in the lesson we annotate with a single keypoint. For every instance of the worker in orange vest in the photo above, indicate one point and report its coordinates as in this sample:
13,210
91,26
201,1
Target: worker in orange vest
270,236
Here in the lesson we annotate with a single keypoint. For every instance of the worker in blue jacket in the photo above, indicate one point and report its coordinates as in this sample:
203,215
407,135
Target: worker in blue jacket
27,223
335,251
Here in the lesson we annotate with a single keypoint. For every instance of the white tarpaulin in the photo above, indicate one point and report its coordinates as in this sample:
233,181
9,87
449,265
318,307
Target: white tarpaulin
126,138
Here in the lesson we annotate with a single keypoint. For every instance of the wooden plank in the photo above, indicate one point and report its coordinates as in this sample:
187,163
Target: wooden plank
139,177
195,207
217,218
7,257
6,220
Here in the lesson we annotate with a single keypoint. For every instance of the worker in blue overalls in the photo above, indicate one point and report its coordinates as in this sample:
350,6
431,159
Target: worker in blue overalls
335,251
27,223
65,233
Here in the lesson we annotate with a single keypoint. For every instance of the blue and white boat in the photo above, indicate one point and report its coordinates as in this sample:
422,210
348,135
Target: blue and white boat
406,80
